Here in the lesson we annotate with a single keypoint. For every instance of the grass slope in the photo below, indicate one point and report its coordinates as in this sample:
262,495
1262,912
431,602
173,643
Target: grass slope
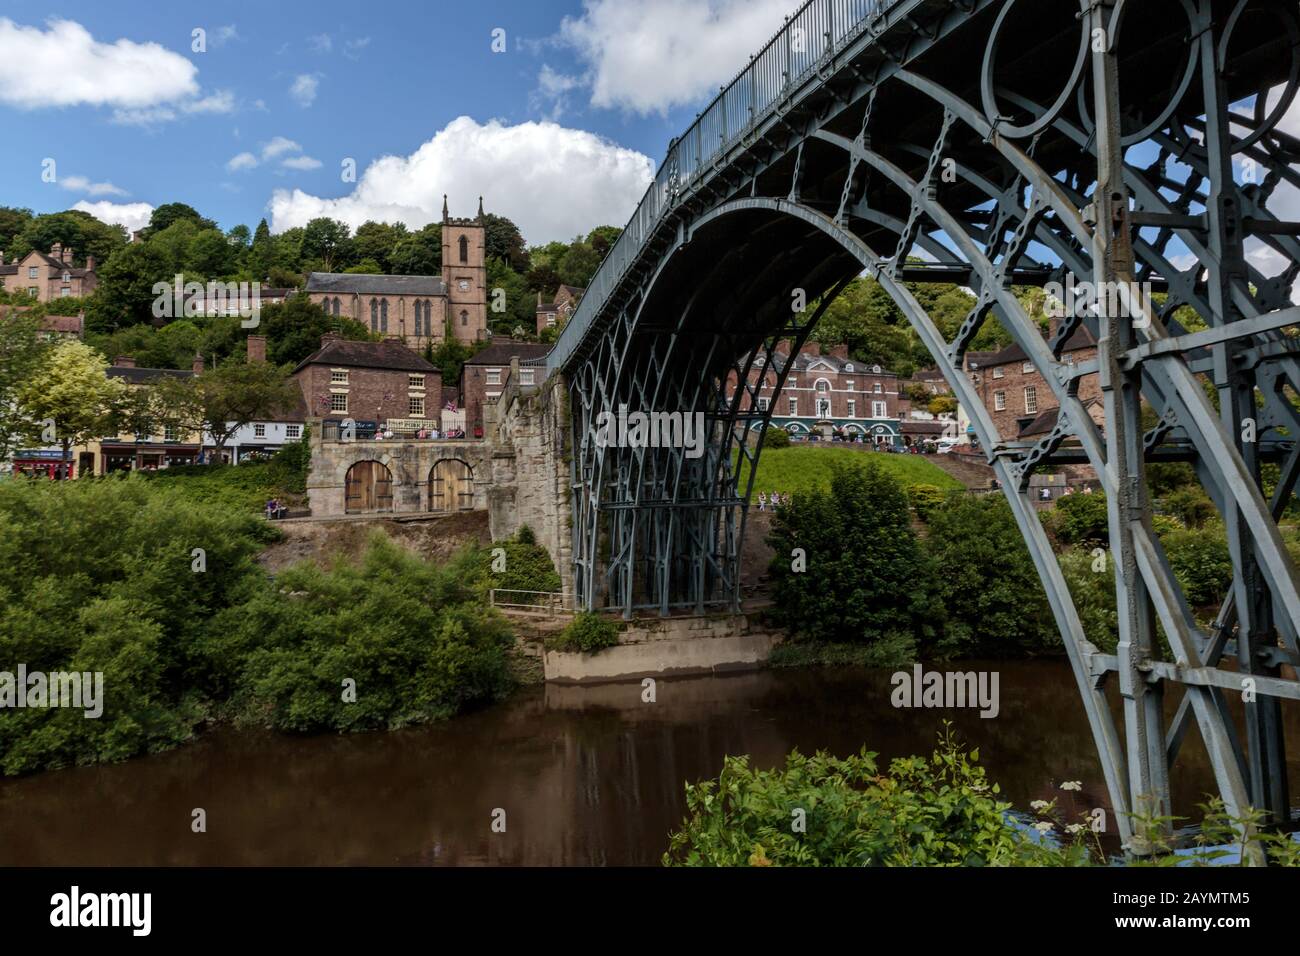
803,468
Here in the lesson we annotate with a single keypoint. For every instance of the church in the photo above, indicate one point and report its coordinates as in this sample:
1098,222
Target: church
419,310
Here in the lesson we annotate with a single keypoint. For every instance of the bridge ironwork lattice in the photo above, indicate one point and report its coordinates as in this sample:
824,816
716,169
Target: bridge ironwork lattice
995,144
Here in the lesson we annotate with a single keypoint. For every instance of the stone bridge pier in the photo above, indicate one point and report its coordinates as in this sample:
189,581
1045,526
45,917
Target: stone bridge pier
519,472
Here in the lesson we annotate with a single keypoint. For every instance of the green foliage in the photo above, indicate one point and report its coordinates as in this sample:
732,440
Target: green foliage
417,642
925,498
866,576
97,575
246,487
1190,505
936,811
1201,562
587,633
1078,518
1093,592
450,358
803,467
774,437
988,582
942,405
893,650
528,566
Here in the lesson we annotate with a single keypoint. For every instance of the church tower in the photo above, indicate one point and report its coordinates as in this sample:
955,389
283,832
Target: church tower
464,272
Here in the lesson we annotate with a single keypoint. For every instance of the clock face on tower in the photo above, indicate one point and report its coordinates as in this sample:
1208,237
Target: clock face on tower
464,285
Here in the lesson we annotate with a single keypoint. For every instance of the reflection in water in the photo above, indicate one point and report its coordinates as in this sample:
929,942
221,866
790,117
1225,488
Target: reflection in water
586,775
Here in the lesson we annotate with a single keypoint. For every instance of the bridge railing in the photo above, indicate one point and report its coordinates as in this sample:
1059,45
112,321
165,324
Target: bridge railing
818,30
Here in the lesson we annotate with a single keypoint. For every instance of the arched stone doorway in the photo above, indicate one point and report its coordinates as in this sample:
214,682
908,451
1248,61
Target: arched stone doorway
368,487
451,486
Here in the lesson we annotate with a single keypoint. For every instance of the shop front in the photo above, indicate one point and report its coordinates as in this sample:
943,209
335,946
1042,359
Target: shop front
42,463
145,457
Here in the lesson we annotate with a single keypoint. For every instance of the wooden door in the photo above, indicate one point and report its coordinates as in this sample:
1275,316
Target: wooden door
368,487
451,486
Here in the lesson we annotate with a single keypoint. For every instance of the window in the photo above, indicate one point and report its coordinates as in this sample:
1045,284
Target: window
293,432
337,306
383,316
170,434
67,276
338,402
374,315
494,376
550,318
762,404
1027,367
848,384
416,409
999,372
259,429
999,401
32,272
338,376
1031,400
853,408
849,368
878,410
34,290
791,383
526,376
415,381
464,249
464,317
879,389
823,386
65,292
794,406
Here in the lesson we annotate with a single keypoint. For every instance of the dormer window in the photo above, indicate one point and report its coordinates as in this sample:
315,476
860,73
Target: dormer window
67,277
849,368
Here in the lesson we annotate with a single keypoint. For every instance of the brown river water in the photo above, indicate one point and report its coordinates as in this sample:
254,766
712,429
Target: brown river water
585,775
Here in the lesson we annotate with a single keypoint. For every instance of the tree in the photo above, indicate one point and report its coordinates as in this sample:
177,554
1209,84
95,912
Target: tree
520,305
329,241
12,223
261,254
211,256
378,241
847,566
172,212
125,293
503,240
420,253
71,391
224,399
21,353
294,328
602,238
543,279
942,405
73,228
578,265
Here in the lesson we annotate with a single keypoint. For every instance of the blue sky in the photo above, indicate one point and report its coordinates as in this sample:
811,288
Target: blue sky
560,132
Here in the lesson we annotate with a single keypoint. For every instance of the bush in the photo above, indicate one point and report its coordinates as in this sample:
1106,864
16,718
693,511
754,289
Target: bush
1190,505
936,811
987,581
847,566
925,499
1093,592
586,633
1201,562
1078,518
415,639
774,437
528,566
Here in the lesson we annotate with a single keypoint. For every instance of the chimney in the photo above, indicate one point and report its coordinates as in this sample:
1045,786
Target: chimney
813,348
198,363
256,348
90,263
840,352
328,337
67,254
124,361
56,251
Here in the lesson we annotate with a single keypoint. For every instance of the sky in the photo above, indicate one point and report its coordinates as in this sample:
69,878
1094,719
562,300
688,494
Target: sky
557,112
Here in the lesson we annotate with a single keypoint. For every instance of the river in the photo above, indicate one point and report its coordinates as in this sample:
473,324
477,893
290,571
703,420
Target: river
585,775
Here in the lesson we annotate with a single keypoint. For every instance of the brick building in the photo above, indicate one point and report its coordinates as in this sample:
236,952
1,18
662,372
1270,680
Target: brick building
556,312
370,383
418,310
1019,400
830,393
484,376
52,276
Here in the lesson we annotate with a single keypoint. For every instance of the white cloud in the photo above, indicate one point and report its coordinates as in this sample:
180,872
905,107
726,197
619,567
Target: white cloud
554,87
222,101
241,161
133,215
553,182
352,48
650,57
301,162
223,35
304,89
64,65
320,43
279,146
81,184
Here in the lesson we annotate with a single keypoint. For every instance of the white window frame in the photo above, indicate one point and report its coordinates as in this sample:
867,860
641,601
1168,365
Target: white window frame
526,376
334,397
293,432
259,429
999,372
853,408
415,406
1031,400
339,376
1000,401
879,410
492,376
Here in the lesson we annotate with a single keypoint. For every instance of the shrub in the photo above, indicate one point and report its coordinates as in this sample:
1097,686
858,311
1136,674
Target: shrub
865,575
936,811
528,566
525,535
1190,505
925,499
1093,592
774,437
417,642
586,633
1079,517
987,581
1201,562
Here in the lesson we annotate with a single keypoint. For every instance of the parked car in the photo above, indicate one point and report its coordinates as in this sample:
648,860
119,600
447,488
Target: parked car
946,445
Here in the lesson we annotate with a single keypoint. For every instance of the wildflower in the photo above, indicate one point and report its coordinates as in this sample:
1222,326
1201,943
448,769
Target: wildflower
1038,805
1043,826
1072,785
1074,828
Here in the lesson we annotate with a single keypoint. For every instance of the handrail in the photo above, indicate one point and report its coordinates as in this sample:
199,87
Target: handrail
820,28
